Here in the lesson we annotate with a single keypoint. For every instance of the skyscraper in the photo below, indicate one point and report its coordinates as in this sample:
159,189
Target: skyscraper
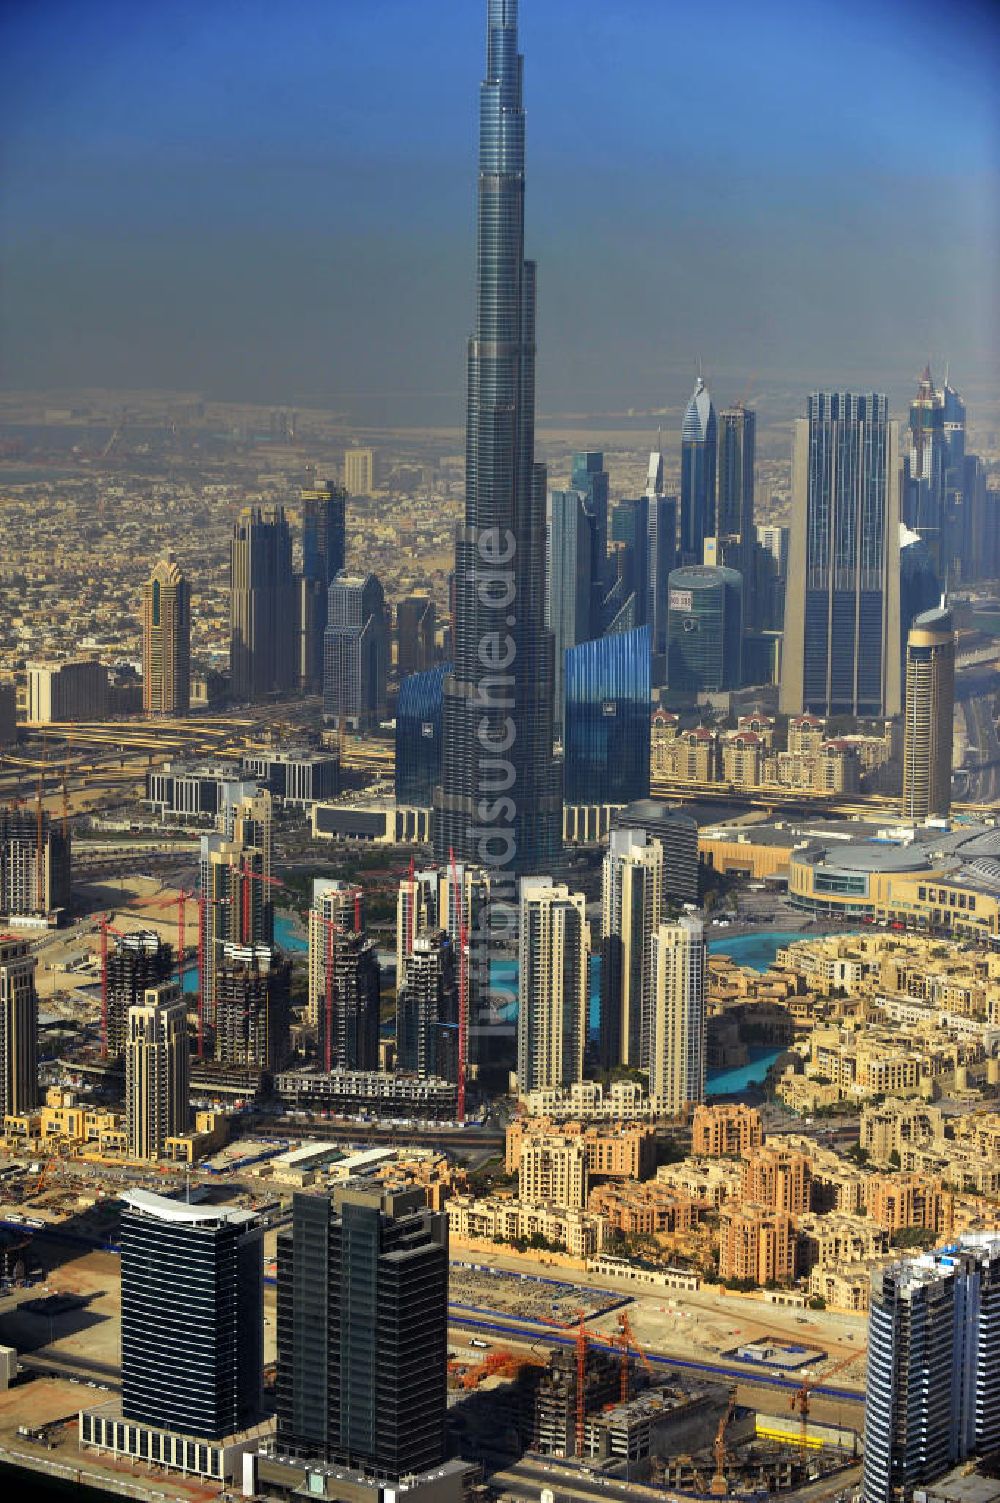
355,651
630,528
28,884
359,472
673,1033
933,1366
427,1008
568,581
166,640
924,501
607,729
698,470
498,706
234,867
632,905
337,908
262,611
348,1007
253,987
362,1330
662,558
137,961
552,979
591,479
704,626
419,713
416,623
323,556
841,653
737,450
928,714
192,1303
18,1027
157,1067
324,532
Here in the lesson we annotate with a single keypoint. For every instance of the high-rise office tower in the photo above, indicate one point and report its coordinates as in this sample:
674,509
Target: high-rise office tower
606,733
337,908
137,961
677,832
323,553
359,472
841,653
552,983
427,1008
192,1293
157,1069
253,991
324,532
924,502
662,555
737,450
166,640
362,1330
632,906
568,582
355,652
630,527
767,597
347,1024
673,1033
419,715
698,468
8,711
704,629
416,625
928,714
18,1027
33,880
498,705
591,479
262,609
933,1366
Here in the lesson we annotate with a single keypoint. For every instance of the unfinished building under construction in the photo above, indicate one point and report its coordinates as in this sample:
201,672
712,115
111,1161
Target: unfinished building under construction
253,988
34,865
139,960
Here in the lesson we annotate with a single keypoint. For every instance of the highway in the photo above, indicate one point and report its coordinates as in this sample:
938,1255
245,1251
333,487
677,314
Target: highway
748,1373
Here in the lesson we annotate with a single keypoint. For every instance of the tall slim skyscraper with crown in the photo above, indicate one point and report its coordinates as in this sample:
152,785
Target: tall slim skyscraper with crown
499,803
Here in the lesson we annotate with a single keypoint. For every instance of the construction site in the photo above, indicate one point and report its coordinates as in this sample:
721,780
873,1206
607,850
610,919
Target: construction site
603,1411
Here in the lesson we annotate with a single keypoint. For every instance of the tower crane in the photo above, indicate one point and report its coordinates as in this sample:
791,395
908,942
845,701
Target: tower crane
800,1398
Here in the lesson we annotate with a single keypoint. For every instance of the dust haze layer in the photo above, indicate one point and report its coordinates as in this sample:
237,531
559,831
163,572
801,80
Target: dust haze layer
277,205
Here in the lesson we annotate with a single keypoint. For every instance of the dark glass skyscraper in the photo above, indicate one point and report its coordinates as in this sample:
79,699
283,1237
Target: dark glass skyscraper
362,1330
262,610
698,467
499,802
192,1316
705,618
737,449
841,653
607,719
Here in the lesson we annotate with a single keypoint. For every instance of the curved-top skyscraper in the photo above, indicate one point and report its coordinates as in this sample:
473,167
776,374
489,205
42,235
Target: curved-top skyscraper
499,804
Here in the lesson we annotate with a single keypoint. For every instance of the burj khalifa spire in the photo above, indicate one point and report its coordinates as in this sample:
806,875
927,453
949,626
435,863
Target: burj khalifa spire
500,802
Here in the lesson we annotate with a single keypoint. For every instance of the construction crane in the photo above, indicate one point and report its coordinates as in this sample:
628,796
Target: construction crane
800,1398
463,1003
719,1486
39,1184
581,1382
626,1342
247,876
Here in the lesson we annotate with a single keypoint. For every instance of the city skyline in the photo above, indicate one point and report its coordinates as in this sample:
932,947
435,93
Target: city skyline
193,280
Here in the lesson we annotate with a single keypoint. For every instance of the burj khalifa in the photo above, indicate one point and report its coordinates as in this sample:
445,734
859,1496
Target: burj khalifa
500,802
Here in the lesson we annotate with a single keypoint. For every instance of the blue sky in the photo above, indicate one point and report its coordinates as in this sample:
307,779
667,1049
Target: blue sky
276,202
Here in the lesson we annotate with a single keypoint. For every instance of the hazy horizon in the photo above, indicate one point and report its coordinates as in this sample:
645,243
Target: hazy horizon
278,206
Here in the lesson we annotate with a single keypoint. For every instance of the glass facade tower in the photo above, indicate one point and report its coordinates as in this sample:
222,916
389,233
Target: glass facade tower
698,467
841,651
418,736
498,703
607,719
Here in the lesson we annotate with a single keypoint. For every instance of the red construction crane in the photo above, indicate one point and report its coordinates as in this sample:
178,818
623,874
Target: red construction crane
182,900
581,1382
247,877
463,1007
626,1342
800,1398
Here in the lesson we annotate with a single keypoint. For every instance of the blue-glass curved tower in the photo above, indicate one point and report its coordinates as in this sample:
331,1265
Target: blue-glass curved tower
499,803
607,729
418,735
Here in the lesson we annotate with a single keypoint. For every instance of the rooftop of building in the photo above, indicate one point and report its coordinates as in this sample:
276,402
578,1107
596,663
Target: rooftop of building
163,1208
